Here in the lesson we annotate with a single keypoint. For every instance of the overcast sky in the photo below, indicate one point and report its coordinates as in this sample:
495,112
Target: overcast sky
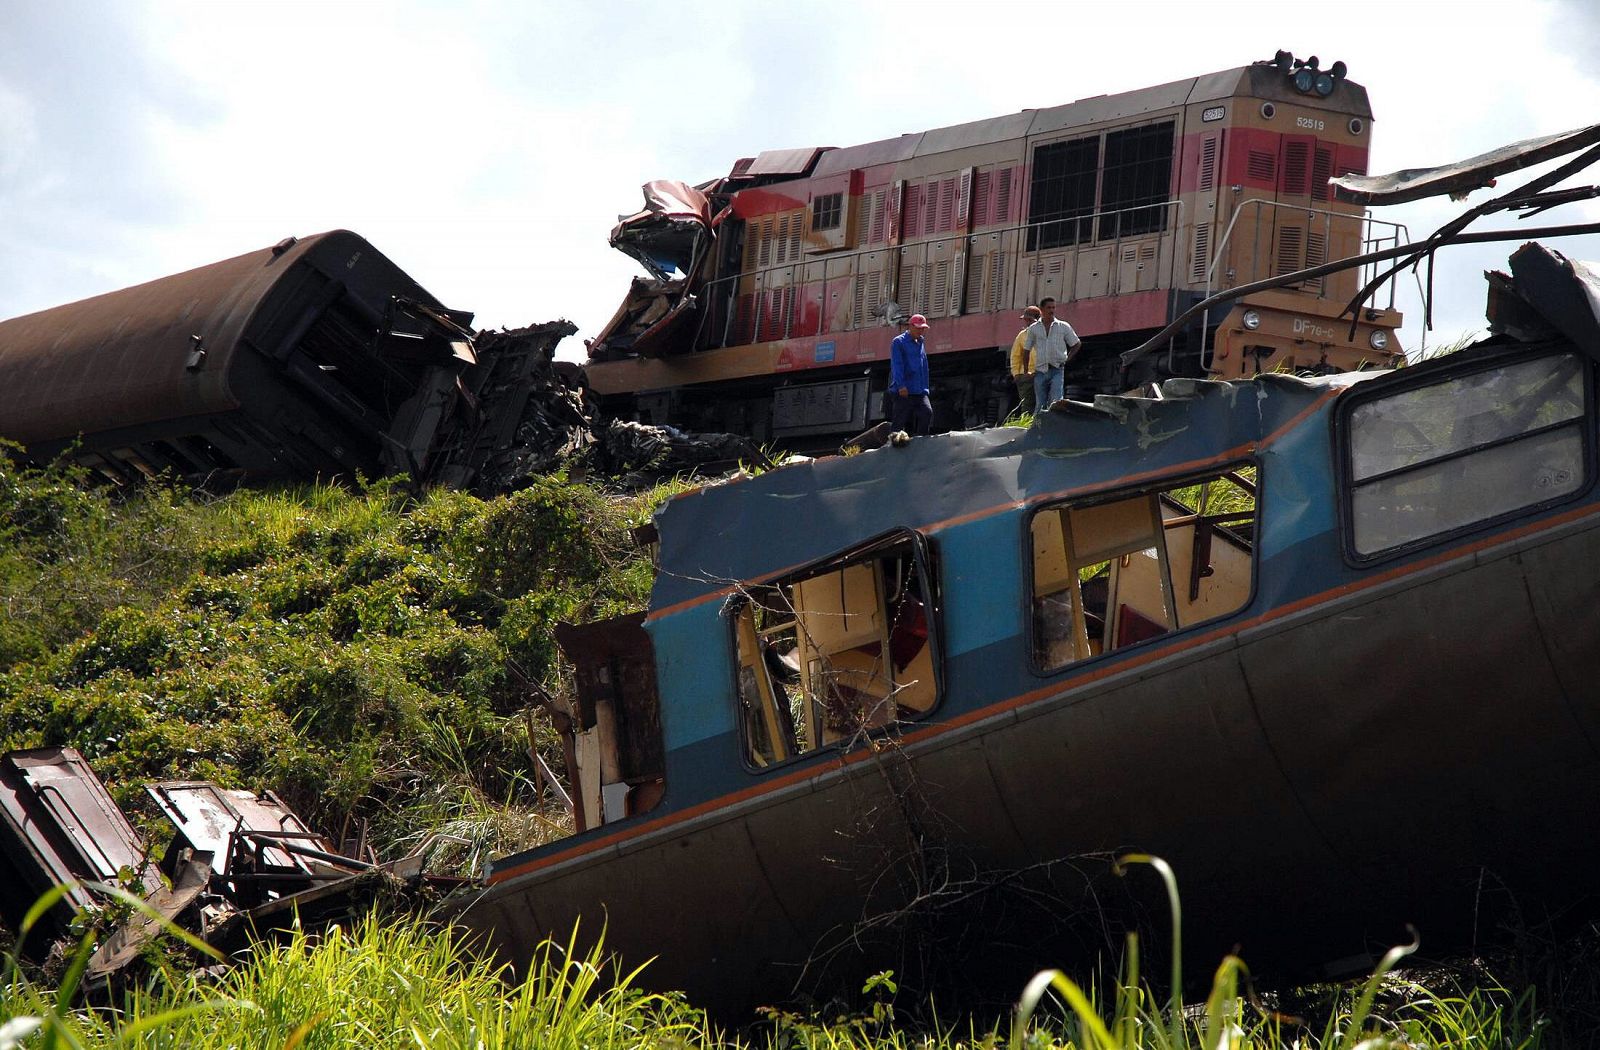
488,147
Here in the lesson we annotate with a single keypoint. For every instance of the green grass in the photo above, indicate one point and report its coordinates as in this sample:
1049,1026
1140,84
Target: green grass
406,983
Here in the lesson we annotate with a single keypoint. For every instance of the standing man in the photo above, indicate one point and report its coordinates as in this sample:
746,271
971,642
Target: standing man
909,407
1053,343
1022,363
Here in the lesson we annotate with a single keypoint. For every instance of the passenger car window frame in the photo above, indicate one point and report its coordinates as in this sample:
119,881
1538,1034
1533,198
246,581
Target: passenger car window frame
924,559
1424,377
1156,487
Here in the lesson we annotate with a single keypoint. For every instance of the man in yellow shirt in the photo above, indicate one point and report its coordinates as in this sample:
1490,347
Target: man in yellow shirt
1022,363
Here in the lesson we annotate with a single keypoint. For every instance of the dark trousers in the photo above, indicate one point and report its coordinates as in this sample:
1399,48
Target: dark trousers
1025,402
912,413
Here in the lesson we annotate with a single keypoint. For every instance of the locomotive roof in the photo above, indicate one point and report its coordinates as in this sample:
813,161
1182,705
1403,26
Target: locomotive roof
1256,80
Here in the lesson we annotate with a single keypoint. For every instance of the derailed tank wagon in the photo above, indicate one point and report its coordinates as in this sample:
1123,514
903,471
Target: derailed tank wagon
774,289
317,356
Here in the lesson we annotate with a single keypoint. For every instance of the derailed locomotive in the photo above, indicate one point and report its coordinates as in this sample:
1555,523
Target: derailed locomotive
774,290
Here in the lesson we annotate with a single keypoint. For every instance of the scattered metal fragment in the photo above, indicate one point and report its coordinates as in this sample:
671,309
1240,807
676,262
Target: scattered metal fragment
240,865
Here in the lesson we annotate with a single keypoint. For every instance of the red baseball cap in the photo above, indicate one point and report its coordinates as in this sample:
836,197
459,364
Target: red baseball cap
918,321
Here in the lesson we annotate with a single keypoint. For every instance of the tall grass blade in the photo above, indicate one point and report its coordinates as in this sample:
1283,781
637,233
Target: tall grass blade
1175,1002
1369,991
1048,980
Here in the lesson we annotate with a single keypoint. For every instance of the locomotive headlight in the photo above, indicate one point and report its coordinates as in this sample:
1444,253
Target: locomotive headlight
1325,84
1379,339
1304,80
1251,320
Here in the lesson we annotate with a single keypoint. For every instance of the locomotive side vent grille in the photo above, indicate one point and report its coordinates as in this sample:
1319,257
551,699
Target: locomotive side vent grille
1002,200
864,221
765,234
782,246
964,202
1316,255
1291,246
977,286
752,245
982,187
913,221
1147,251
1208,164
878,210
1295,157
947,204
794,236
1202,252
1262,167
1321,172
997,282
939,301
858,307
874,293
1055,264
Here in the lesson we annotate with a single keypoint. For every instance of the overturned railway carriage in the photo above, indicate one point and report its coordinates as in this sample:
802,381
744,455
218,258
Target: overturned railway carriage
317,356
1328,645
774,290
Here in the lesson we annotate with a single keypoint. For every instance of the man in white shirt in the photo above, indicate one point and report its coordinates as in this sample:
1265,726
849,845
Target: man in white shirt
1052,343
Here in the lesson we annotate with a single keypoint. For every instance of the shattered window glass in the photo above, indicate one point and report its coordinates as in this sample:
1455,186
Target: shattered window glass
1111,574
1416,426
831,654
1470,449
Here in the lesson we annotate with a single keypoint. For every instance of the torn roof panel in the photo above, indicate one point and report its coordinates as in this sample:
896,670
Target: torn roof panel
1564,292
746,530
1464,176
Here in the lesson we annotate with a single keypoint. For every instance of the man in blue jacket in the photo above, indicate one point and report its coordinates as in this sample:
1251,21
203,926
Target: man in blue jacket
909,407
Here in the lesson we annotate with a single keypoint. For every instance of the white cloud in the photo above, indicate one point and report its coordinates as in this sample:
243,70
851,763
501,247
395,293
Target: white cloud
489,147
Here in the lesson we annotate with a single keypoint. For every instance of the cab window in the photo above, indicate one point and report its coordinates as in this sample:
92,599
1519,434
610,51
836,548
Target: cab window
1465,450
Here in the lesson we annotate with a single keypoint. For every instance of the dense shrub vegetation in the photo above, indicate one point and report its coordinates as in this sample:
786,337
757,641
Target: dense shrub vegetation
365,654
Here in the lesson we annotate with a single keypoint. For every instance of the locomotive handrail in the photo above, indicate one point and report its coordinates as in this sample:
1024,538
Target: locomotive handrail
1363,219
1017,232
1488,236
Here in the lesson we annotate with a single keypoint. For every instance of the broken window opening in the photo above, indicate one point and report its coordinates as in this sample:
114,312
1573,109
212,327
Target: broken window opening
827,212
1112,574
834,651
1466,451
611,730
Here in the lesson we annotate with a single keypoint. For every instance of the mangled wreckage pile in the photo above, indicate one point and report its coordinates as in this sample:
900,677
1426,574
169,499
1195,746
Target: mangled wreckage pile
240,863
317,357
